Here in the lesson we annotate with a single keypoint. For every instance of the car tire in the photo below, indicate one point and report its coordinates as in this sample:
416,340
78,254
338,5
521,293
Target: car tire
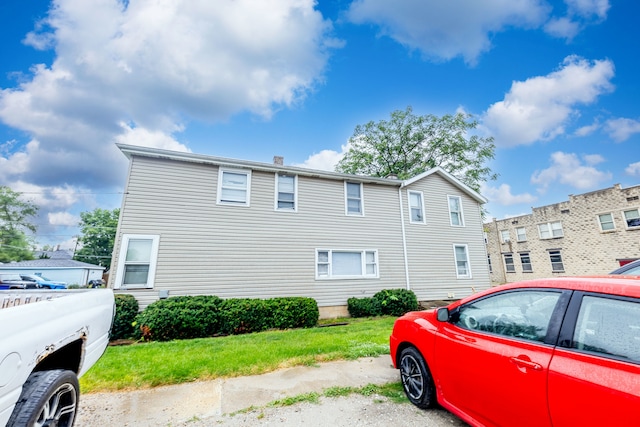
416,379
48,398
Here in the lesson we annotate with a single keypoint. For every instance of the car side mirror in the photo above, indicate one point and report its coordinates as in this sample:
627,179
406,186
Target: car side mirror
443,314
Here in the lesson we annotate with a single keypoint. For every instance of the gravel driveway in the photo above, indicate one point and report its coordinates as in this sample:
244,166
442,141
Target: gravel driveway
244,401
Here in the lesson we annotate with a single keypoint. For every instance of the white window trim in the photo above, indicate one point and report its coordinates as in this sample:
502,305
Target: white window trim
363,258
613,222
238,171
423,221
461,213
455,258
506,264
122,256
624,218
295,194
518,235
548,224
346,199
503,238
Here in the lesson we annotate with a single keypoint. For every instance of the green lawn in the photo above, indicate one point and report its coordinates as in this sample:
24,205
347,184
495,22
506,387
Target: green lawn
144,365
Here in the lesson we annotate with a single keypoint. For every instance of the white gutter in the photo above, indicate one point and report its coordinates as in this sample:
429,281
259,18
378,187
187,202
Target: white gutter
404,240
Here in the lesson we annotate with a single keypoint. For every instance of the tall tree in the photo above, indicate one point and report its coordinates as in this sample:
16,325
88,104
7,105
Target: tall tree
98,236
407,145
15,245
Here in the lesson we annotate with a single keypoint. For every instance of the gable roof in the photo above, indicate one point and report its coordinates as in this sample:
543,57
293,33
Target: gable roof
50,263
134,150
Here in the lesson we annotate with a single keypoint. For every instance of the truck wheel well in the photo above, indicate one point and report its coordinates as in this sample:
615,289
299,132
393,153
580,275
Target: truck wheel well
67,358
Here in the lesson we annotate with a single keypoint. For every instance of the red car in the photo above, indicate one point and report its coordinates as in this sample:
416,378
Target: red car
551,352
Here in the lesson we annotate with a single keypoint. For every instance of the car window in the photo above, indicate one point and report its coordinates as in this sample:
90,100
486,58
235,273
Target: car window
522,314
609,326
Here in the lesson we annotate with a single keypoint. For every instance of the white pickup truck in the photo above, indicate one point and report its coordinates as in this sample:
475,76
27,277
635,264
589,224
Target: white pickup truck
48,339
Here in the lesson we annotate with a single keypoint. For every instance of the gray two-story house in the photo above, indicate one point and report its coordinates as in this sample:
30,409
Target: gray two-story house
195,224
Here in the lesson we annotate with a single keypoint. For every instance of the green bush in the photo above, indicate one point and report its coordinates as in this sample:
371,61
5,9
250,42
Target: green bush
392,302
204,316
126,312
396,302
363,307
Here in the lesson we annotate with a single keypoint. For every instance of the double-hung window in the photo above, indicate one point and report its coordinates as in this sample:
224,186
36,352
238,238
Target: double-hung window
137,261
286,186
463,269
509,266
550,230
606,222
234,187
504,236
353,198
455,210
346,264
416,206
632,218
521,234
525,261
556,261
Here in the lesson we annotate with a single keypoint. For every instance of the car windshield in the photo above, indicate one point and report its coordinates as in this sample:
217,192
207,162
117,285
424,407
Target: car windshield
10,277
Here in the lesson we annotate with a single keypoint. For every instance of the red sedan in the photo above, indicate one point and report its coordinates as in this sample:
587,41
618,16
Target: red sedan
551,352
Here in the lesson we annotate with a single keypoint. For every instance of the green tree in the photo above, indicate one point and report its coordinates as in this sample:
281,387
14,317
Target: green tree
98,236
408,145
15,245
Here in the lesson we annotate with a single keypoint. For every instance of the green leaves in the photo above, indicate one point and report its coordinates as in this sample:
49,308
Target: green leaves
15,216
408,145
98,236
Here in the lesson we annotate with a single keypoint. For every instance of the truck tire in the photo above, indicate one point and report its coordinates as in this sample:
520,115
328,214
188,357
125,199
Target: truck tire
48,398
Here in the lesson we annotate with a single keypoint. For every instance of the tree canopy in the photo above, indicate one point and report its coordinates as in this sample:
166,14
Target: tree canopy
98,236
15,216
408,144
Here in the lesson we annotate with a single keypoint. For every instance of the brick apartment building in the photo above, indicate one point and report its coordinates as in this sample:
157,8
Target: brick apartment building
591,233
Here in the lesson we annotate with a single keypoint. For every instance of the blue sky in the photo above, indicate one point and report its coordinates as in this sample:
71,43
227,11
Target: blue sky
554,82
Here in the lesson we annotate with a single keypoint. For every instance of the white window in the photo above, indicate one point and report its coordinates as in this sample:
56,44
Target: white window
416,206
606,222
504,236
632,218
286,194
521,234
340,264
556,261
509,266
455,210
353,198
462,261
550,230
137,261
525,261
234,187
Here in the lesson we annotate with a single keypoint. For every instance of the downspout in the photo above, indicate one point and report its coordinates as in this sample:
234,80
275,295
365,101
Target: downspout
404,239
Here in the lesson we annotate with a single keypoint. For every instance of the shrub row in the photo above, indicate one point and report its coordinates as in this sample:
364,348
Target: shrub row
186,317
392,302
126,312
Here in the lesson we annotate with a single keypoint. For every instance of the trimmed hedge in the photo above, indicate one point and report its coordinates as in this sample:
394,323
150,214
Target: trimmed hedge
126,312
392,302
186,317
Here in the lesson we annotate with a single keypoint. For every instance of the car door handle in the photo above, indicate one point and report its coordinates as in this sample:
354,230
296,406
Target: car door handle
527,364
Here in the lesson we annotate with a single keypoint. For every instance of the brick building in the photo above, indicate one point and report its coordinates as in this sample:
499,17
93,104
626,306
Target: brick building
591,233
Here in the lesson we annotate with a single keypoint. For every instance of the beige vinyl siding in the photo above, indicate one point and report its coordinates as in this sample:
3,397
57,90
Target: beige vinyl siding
432,271
255,251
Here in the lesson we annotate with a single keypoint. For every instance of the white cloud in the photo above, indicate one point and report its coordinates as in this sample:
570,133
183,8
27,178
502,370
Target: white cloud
324,160
589,8
587,130
63,218
622,129
445,30
539,108
567,168
563,28
579,14
633,169
502,195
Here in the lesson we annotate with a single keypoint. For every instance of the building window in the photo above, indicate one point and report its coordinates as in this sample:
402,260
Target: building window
556,261
509,266
455,210
137,261
416,206
462,261
606,222
632,218
521,234
525,260
550,230
339,264
504,236
234,187
286,192
353,198
489,262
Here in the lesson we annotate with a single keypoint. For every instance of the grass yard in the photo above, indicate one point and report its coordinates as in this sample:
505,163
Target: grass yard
145,365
